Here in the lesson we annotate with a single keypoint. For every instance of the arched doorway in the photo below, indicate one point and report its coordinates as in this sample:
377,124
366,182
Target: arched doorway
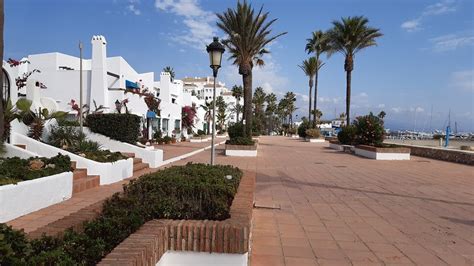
5,85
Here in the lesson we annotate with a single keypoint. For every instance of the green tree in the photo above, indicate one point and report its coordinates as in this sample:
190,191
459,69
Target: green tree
310,67
170,70
290,107
270,112
221,112
258,101
317,44
317,115
248,33
237,92
349,36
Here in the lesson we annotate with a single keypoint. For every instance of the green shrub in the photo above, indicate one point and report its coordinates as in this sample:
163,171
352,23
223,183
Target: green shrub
201,132
347,135
240,141
313,133
65,137
121,127
369,130
157,134
302,128
193,191
14,169
167,139
291,131
104,156
68,123
236,130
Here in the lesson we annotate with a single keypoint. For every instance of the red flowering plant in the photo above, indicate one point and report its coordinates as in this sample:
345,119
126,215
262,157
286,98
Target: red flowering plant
21,81
75,106
370,129
188,113
153,103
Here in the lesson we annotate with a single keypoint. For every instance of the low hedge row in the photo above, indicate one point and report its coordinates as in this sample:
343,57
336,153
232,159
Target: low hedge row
14,169
193,191
121,127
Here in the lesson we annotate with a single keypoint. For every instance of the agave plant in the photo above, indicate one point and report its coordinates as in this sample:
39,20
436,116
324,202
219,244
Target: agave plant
35,120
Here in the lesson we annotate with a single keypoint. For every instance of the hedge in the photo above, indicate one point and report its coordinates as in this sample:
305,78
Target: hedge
121,127
193,191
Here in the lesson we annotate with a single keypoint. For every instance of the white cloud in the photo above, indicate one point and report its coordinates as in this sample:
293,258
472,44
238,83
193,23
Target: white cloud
132,7
463,80
329,100
381,105
411,25
440,8
452,42
397,109
198,22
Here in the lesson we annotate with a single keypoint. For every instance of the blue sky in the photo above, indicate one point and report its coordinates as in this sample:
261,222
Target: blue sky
424,61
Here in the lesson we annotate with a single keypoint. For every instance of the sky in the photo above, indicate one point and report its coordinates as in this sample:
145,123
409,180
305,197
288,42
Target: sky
421,70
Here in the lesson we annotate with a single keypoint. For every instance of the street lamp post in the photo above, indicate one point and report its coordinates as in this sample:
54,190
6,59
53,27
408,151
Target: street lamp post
215,51
80,87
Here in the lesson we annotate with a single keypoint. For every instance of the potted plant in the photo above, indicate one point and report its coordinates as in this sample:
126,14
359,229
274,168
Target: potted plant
166,139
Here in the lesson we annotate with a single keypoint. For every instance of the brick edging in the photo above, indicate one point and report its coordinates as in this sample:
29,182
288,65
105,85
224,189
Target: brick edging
154,238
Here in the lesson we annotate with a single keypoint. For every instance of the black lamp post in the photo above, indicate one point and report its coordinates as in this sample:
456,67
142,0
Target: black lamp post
215,50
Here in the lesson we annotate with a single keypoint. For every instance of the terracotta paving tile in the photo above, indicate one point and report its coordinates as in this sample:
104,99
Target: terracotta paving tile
333,262
290,261
266,260
267,250
294,242
298,251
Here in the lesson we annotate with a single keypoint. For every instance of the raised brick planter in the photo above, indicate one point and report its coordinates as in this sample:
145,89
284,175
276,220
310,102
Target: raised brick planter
383,153
241,150
152,240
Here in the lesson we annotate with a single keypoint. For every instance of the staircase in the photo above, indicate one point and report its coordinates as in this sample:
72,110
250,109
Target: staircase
139,167
82,181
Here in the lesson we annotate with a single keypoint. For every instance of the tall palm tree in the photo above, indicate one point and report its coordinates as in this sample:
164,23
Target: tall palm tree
310,67
270,111
248,33
237,92
290,99
349,36
2,101
317,44
171,71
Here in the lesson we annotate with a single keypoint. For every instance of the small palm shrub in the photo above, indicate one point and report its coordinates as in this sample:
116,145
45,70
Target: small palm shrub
65,137
369,130
347,135
313,133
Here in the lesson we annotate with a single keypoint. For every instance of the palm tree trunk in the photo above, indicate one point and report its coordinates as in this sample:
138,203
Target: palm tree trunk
315,97
310,98
247,82
348,96
2,118
237,111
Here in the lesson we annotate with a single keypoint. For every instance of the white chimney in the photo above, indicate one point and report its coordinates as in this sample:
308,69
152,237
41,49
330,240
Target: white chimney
99,90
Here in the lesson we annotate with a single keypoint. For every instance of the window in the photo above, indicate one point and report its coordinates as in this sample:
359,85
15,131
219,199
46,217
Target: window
165,125
6,85
177,124
173,100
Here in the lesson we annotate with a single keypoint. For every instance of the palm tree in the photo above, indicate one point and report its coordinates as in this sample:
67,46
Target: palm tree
317,44
237,92
290,99
248,33
317,115
170,70
270,111
310,67
221,112
258,101
349,36
2,101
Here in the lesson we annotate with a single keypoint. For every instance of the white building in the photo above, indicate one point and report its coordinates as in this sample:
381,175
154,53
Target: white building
202,88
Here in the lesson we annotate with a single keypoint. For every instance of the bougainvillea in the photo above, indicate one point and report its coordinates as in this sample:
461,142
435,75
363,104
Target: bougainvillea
188,113
153,103
21,81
